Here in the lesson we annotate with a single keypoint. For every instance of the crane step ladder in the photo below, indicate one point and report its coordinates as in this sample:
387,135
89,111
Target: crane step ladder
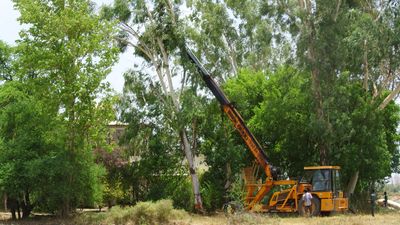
251,184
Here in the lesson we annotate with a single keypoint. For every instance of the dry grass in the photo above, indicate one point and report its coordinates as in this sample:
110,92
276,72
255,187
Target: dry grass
392,218
258,219
143,213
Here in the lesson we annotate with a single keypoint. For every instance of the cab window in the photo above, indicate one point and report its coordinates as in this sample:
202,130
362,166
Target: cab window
321,180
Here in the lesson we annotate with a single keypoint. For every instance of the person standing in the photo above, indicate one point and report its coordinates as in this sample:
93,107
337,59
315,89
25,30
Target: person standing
385,201
373,199
307,202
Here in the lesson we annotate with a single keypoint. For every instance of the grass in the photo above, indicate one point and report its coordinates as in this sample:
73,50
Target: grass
253,219
162,212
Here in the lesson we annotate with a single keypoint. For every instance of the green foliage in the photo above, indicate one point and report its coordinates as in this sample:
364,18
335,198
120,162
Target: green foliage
51,120
362,132
237,191
282,118
6,61
276,107
213,193
157,172
181,193
19,113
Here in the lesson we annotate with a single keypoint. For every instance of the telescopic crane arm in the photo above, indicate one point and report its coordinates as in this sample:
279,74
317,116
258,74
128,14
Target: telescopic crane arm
235,117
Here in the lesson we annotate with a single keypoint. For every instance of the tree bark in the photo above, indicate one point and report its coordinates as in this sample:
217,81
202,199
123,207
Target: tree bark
26,206
192,169
352,183
159,56
316,90
390,97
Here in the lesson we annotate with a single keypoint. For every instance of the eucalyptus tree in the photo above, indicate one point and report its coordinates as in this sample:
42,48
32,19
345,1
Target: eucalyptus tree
64,54
230,35
155,32
157,170
329,39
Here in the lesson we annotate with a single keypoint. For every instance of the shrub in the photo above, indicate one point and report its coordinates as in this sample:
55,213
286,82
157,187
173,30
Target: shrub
182,194
212,191
143,213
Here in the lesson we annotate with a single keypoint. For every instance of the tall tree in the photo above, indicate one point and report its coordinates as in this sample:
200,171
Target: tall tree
64,55
154,30
336,36
157,171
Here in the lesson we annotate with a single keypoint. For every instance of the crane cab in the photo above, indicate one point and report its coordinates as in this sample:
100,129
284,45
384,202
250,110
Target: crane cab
324,183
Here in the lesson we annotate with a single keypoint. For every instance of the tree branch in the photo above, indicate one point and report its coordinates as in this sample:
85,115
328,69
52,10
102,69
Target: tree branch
339,2
390,97
366,72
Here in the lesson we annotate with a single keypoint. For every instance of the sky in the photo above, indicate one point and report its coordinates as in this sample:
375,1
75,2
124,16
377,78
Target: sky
9,28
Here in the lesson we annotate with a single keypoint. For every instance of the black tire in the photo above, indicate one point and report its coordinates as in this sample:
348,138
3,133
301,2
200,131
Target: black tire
315,207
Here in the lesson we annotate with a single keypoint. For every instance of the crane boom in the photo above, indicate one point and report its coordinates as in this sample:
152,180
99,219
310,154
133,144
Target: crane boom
235,117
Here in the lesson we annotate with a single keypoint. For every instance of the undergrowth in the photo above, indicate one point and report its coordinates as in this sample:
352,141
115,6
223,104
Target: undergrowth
143,213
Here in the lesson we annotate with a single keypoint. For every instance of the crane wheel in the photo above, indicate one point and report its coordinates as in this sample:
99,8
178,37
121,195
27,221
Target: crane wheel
315,207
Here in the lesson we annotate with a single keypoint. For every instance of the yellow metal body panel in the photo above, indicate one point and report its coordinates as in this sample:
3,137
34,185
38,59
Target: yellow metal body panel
284,182
341,204
327,205
323,195
322,168
302,186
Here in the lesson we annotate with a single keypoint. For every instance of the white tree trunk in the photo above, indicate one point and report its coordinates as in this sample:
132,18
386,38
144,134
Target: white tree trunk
352,183
389,98
159,57
192,169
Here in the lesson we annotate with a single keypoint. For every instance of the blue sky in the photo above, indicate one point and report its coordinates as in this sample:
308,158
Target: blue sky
9,28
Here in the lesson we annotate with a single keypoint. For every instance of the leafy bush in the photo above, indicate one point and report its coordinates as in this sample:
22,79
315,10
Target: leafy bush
212,196
212,191
181,194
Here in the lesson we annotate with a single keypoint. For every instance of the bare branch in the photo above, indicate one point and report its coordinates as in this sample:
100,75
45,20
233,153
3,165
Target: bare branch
231,54
375,91
389,78
366,72
171,9
339,2
390,97
382,11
